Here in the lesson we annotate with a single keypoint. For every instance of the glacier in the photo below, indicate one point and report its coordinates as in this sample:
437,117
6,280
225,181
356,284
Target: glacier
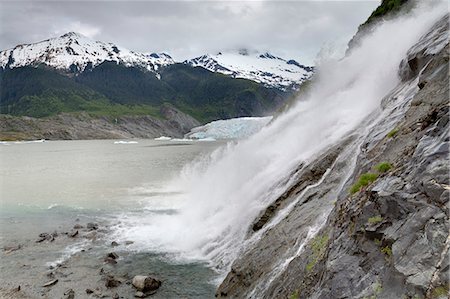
234,128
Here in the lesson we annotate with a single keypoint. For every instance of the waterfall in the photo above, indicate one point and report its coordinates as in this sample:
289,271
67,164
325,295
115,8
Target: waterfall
216,198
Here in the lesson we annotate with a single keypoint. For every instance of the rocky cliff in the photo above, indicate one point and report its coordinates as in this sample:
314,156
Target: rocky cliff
369,217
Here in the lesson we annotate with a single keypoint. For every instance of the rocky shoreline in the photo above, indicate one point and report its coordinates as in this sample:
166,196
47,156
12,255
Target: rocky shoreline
62,280
80,126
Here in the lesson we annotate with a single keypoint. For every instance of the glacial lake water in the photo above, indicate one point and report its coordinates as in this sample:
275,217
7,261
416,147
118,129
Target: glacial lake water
53,185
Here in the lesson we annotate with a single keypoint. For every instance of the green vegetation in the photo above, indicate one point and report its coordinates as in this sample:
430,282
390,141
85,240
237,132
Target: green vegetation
368,178
377,288
387,250
113,90
295,295
383,167
375,219
52,102
364,180
377,242
440,292
392,133
318,246
386,6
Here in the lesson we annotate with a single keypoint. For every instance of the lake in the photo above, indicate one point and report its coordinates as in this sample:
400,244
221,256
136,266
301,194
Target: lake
48,187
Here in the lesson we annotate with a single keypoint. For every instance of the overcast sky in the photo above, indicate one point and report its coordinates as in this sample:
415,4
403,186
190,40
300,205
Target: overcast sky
185,29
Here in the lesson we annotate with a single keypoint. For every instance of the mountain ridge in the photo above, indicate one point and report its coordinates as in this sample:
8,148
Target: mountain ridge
75,53
264,68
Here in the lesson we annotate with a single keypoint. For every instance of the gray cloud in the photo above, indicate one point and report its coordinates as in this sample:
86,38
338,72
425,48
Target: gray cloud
184,29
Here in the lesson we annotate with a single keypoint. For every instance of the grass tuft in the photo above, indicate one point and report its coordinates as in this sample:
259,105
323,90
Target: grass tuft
387,250
363,181
383,167
294,295
392,133
375,219
440,292
318,246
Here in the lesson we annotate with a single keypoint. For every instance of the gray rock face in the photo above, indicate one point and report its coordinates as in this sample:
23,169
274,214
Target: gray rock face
82,126
391,239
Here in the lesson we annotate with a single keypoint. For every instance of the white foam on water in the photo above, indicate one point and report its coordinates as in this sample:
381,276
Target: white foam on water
22,142
68,252
162,138
125,142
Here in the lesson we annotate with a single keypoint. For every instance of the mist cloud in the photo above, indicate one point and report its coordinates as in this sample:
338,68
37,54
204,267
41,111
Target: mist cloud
184,29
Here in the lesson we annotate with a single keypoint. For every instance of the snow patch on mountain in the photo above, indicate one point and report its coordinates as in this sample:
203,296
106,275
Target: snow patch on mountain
234,128
265,68
75,52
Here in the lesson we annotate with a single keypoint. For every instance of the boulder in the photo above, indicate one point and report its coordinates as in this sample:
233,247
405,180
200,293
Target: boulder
145,283
112,282
139,294
44,237
113,255
110,260
92,226
69,294
11,248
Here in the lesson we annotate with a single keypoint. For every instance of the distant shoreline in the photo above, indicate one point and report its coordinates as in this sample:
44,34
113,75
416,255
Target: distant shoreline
82,126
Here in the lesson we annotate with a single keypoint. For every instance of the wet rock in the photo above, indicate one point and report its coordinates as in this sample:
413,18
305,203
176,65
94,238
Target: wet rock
114,244
89,291
45,237
98,293
110,260
139,294
73,234
78,226
387,241
50,283
128,242
91,235
112,282
11,248
69,294
145,283
113,255
92,226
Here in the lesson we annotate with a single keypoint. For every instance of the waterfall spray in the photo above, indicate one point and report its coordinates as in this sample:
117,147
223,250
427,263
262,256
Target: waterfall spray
218,196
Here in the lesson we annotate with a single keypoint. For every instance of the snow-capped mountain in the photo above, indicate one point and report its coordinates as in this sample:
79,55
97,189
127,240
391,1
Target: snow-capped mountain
75,52
264,68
